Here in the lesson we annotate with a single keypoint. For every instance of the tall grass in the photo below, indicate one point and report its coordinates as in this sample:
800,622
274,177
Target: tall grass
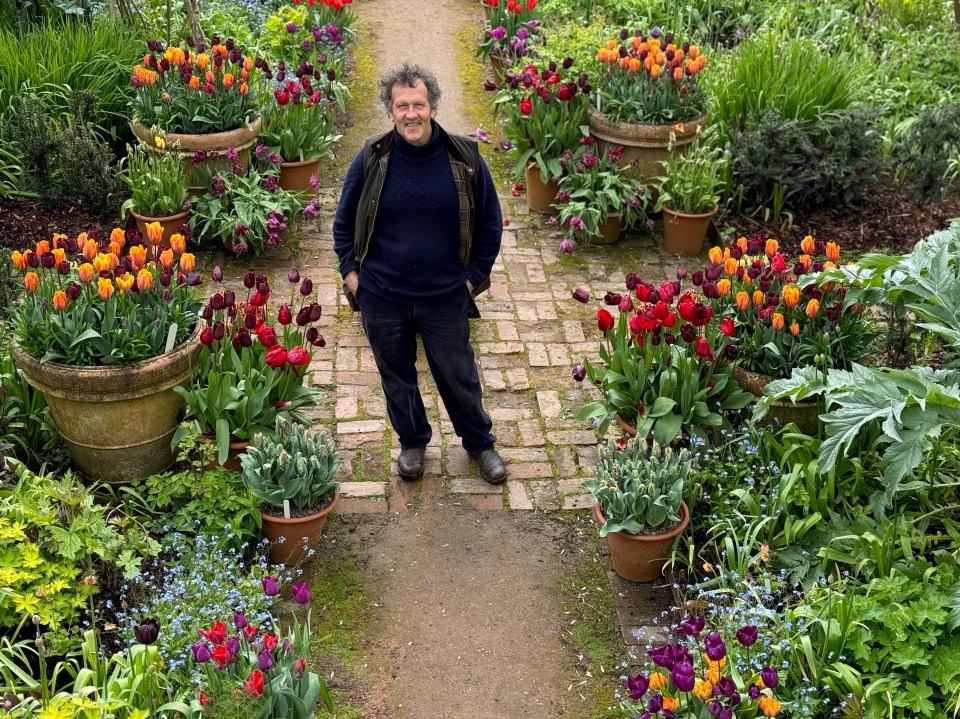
54,59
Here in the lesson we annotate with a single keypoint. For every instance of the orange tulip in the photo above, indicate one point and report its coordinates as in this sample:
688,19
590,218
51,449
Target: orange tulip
31,281
758,298
105,288
794,329
144,280
154,233
713,675
104,263
833,251
791,295
703,689
248,64
723,287
60,300
43,246
138,256
19,259
178,243
743,300
716,256
59,255
655,72
829,265
115,248
677,76
86,273
194,82
203,60
730,266
228,79
117,235
89,250
60,239
771,247
806,261
244,88
187,262
671,703
777,321
806,245
768,705
658,681
166,259
813,308
742,243
210,77
125,282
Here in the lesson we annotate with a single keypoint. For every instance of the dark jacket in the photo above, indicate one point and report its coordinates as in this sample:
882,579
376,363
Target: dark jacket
468,173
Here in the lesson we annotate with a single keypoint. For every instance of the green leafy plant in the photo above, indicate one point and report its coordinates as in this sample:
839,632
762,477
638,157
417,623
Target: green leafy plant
638,486
84,161
35,137
593,187
691,180
156,180
25,422
291,465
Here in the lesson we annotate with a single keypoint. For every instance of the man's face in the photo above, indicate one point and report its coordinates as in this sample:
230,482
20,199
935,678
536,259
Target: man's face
411,113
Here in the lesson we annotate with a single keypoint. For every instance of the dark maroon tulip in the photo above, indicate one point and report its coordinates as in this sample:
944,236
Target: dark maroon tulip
306,287
218,331
293,275
315,312
303,317
217,302
74,290
581,295
579,372
249,279
229,298
250,320
217,274
146,632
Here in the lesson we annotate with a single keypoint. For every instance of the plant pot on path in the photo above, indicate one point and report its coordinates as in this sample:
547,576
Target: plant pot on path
684,234
805,414
241,140
646,144
295,176
641,557
292,539
496,64
117,421
540,196
609,230
170,223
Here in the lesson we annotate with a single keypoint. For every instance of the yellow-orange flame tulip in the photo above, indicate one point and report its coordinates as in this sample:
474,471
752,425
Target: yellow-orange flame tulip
723,287
716,256
658,681
228,79
166,259
59,254
671,703
813,308
115,249
791,295
248,63
154,233
117,235
60,300
104,262
794,329
194,82
187,262
771,247
144,280
203,60
125,282
807,245
86,273
777,321
89,250
832,251
703,689
757,298
806,261
730,266
31,281
138,256
742,243
43,246
19,259
105,288
244,88
743,300
178,243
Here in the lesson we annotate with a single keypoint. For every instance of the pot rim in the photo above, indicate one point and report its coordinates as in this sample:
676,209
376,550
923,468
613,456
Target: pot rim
202,141
310,517
684,521
163,218
697,216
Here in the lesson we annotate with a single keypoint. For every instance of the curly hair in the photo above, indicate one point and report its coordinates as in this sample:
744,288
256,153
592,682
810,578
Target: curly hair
409,75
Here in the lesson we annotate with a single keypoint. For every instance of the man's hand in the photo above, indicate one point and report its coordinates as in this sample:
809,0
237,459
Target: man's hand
352,281
470,286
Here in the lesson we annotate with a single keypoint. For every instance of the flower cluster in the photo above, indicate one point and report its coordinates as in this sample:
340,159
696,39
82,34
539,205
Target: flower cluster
498,42
679,687
192,89
546,114
665,362
103,300
649,77
784,317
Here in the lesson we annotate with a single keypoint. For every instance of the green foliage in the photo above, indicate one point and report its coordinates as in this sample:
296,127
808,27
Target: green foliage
927,153
11,171
639,486
25,422
293,464
783,163
691,180
30,130
280,43
156,180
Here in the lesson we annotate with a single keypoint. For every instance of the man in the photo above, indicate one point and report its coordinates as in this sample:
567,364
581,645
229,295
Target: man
417,231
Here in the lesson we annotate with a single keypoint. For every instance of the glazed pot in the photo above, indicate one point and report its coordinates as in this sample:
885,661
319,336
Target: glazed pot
292,539
646,145
295,176
117,422
805,414
240,139
540,196
641,557
170,223
684,234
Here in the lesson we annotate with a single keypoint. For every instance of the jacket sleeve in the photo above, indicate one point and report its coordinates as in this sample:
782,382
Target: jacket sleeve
345,220
488,230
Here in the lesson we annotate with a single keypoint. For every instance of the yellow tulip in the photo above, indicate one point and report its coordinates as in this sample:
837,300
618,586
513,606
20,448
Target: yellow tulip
187,262
177,243
89,250
125,282
105,288
118,236
138,256
723,287
86,273
144,280
154,233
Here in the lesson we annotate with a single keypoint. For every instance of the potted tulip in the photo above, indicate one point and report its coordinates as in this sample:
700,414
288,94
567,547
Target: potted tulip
291,472
688,194
159,189
640,507
106,331
253,364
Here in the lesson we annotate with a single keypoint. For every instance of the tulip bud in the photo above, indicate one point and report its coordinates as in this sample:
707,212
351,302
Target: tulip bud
293,275
249,279
315,312
306,287
218,331
250,320
581,295
217,274
579,372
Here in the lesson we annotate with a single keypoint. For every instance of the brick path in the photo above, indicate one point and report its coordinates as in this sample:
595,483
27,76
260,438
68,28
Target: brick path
529,337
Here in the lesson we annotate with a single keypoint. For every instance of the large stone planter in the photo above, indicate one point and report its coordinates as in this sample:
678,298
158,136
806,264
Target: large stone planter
117,421
645,144
805,413
241,140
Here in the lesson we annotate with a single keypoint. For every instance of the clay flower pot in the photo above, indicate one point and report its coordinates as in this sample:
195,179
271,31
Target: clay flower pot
641,557
170,223
117,421
292,539
295,176
684,234
610,230
540,196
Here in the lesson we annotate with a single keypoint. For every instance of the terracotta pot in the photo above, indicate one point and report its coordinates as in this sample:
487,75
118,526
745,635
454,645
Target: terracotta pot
300,534
805,414
236,448
646,144
540,196
295,176
170,224
684,234
641,557
610,230
241,140
117,422
496,64
629,430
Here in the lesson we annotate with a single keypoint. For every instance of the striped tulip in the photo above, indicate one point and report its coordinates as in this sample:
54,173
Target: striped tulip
154,233
86,273
60,300
144,280
178,243
31,281
125,282
105,288
813,308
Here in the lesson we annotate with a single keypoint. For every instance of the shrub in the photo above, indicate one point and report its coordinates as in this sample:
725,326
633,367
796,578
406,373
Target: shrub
31,132
928,151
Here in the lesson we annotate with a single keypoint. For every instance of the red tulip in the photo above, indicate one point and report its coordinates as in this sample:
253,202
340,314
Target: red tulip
267,336
703,347
284,316
526,107
726,326
604,320
282,96
276,356
298,357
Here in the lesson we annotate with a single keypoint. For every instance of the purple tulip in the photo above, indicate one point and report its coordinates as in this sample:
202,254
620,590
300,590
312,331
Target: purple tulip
233,645
240,620
146,631
726,687
293,276
270,587
715,648
301,595
306,287
753,691
683,677
692,626
747,636
725,713
581,295
201,652
579,372
770,677
265,660
638,686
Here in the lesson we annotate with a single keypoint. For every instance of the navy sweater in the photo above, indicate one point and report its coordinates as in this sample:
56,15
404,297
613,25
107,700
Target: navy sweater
413,255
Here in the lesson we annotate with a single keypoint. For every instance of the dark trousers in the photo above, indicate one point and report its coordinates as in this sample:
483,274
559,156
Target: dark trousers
391,329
